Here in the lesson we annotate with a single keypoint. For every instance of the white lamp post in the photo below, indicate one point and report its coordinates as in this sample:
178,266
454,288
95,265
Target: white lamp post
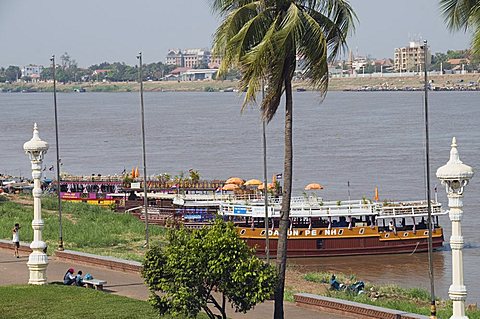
455,176
38,260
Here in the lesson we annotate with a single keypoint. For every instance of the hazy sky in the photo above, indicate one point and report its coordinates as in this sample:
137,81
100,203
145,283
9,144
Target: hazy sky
115,30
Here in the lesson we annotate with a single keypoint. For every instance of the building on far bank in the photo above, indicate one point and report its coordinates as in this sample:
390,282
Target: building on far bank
32,71
411,57
174,57
192,58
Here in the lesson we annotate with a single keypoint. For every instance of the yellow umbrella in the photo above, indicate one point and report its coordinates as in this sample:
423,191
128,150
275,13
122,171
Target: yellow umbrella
253,182
313,186
262,186
234,180
230,187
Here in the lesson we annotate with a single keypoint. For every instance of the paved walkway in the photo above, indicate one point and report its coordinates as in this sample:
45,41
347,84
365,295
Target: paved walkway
15,271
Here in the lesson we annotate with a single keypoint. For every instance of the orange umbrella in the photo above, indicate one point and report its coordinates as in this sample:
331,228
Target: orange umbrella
313,186
234,180
262,186
136,172
230,187
253,182
376,194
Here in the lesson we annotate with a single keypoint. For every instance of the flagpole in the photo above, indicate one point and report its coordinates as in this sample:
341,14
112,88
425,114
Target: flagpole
267,241
433,308
145,199
60,228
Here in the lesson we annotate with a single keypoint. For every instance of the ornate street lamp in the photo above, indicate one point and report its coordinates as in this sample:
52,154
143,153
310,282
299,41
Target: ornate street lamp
38,260
455,176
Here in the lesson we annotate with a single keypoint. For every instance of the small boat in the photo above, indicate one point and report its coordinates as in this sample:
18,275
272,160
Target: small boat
301,89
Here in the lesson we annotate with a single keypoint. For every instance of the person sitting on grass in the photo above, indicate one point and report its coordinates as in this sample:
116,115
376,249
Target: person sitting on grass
69,277
79,279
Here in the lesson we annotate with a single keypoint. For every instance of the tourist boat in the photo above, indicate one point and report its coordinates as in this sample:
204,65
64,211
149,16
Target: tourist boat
333,228
96,190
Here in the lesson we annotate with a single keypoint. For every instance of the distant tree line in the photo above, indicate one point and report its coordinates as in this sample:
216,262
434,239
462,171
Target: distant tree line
440,59
67,71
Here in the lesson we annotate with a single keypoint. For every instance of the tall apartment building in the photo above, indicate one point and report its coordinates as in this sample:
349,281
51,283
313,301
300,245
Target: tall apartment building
411,58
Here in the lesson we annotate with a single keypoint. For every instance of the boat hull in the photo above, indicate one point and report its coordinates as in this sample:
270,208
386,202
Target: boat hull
371,243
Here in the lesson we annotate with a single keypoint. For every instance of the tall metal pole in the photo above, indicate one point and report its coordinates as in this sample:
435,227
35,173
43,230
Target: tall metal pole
433,307
145,199
60,228
267,241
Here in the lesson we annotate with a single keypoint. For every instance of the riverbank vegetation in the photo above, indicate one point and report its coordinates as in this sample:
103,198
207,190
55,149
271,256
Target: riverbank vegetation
413,300
88,228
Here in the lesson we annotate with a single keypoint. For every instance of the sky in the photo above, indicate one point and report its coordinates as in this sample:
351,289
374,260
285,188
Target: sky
93,31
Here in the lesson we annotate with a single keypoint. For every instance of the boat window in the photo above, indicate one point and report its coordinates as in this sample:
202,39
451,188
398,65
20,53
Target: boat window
242,232
387,235
340,231
405,234
361,231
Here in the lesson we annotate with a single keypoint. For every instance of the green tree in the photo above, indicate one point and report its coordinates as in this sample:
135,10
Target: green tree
205,267
463,15
12,73
262,39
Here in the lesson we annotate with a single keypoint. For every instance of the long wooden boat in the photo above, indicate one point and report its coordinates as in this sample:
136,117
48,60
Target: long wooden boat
322,228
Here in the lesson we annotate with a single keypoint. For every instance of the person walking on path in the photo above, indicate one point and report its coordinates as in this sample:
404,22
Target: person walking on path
16,239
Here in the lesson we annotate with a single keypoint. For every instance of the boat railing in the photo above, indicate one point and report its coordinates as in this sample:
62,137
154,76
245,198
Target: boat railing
299,209
406,209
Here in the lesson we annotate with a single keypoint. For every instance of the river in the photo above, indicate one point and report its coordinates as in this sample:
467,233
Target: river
366,138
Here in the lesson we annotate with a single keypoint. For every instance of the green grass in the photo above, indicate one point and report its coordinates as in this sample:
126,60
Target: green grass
414,300
58,302
86,228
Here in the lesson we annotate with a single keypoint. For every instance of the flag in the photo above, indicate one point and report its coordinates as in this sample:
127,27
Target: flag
279,176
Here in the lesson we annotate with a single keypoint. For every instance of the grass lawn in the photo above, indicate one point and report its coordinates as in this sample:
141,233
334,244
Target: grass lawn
59,302
86,228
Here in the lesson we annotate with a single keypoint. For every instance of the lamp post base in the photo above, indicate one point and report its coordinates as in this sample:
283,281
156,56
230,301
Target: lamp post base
37,264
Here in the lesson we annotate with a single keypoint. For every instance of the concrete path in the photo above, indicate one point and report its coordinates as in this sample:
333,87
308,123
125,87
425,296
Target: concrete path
15,271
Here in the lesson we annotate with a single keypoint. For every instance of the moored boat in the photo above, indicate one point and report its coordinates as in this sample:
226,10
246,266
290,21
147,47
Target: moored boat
323,228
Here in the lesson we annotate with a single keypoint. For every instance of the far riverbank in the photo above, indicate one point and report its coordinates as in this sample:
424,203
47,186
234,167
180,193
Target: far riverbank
446,81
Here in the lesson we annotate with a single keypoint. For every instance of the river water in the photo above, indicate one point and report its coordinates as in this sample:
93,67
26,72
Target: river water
367,138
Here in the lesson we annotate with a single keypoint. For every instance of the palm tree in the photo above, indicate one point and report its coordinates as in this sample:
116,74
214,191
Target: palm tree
463,14
262,38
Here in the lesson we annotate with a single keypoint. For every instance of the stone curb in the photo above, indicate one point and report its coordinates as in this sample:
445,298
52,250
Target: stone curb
350,307
101,261
7,244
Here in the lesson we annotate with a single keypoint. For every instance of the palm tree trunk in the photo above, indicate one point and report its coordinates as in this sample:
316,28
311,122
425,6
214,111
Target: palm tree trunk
286,195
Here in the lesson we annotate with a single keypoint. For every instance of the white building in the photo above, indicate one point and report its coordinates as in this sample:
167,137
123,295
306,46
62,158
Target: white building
32,71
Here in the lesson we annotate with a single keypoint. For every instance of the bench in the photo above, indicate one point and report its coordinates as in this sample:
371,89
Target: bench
94,283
